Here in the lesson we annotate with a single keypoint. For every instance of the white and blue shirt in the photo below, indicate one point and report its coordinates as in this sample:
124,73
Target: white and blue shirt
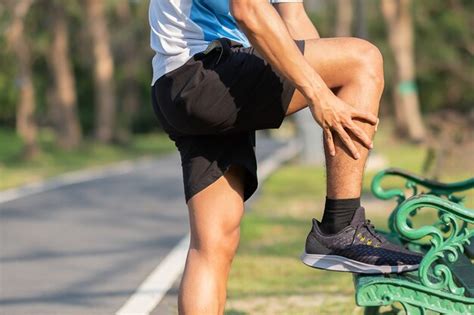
182,28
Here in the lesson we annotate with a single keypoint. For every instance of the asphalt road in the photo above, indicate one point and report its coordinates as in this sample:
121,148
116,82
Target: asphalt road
85,248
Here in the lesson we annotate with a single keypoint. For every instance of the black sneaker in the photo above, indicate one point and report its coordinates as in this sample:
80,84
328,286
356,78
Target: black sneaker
357,248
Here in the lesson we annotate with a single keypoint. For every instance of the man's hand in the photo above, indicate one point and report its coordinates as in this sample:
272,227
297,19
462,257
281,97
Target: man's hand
336,116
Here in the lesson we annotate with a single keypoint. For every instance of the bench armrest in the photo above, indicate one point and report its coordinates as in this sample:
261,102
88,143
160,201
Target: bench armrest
413,181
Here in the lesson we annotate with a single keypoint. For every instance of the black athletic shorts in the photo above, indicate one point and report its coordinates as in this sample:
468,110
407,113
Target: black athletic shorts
212,105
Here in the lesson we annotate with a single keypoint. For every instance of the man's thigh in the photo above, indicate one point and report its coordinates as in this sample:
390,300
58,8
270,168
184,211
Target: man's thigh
336,60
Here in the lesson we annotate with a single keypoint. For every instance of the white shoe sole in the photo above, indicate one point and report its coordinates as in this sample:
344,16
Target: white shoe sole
340,263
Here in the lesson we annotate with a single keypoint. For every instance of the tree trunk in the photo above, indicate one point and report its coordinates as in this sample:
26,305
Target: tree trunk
130,90
344,11
67,124
26,125
103,71
361,19
400,30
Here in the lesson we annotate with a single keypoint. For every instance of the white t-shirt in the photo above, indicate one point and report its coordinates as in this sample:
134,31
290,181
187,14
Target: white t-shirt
182,28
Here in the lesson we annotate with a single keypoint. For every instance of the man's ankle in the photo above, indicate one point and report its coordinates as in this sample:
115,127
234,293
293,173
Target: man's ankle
338,214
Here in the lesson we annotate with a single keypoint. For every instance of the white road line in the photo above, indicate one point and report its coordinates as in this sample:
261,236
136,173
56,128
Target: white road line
72,178
155,286
150,293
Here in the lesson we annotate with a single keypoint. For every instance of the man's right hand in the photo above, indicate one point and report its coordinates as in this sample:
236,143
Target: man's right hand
337,117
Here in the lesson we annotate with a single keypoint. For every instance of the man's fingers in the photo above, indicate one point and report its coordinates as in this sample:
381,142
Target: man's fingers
346,139
329,141
360,134
369,117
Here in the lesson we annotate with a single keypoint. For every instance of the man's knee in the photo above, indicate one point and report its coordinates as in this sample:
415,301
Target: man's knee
220,245
215,215
371,60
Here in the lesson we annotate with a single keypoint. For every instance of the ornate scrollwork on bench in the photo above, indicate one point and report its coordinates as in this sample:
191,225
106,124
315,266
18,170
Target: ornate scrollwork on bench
444,281
446,244
417,185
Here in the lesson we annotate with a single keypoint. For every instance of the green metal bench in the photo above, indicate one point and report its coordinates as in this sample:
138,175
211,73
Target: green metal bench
444,283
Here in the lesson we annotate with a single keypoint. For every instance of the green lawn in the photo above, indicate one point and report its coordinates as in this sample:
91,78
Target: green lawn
267,276
52,161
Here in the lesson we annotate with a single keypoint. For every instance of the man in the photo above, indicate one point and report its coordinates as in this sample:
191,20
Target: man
224,69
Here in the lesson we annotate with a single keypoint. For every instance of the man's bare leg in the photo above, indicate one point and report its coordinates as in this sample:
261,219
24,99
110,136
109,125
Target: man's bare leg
214,216
355,68
344,174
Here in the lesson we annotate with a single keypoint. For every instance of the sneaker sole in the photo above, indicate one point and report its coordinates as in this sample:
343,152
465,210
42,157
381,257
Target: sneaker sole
340,263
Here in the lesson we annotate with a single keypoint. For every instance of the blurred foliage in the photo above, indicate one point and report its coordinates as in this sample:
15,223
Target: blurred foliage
445,51
40,38
8,91
444,44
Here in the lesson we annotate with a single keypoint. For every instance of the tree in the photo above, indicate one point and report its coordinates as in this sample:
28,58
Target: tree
25,116
105,98
399,24
445,50
344,11
69,133
130,61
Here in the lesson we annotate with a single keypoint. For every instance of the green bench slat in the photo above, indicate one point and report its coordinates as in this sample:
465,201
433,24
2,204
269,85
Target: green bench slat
376,290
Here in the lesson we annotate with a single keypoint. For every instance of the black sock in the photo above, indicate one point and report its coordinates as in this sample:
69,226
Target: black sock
338,214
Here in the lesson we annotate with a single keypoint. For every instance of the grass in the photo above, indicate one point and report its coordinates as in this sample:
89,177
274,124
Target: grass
52,161
267,276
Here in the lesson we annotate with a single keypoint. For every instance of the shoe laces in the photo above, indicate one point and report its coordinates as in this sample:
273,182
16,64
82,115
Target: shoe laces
368,226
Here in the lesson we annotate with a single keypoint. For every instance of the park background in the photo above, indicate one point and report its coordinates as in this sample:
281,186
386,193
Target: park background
75,93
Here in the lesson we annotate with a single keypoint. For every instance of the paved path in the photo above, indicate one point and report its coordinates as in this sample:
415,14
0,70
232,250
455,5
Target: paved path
85,248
